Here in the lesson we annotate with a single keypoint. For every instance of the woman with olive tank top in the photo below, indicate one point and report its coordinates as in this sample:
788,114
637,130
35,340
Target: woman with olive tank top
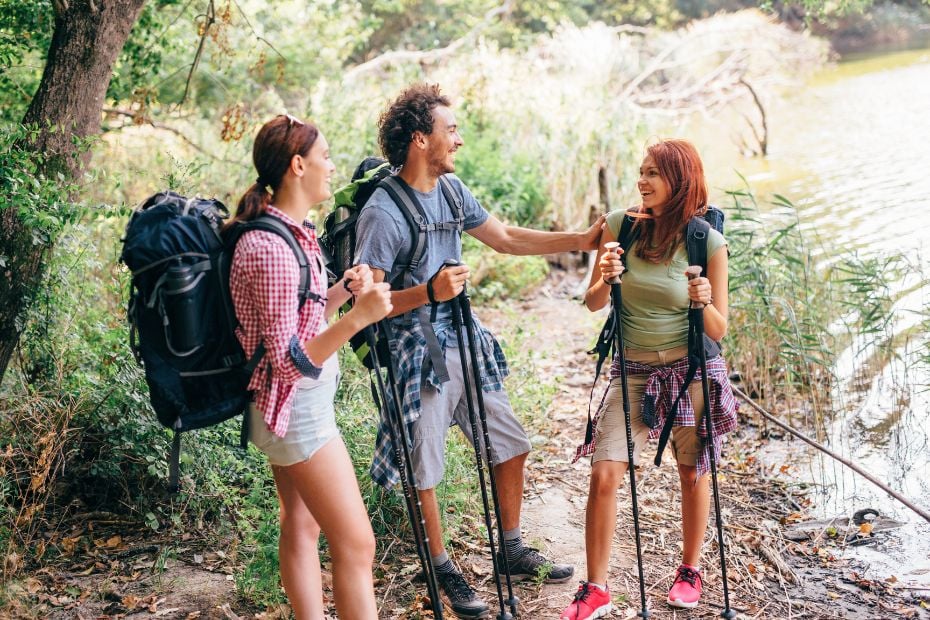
656,297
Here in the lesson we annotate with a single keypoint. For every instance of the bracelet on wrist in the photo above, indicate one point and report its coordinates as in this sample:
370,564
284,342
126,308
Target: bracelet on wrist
345,285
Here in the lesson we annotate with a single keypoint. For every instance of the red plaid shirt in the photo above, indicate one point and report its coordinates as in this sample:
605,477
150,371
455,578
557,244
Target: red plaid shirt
264,281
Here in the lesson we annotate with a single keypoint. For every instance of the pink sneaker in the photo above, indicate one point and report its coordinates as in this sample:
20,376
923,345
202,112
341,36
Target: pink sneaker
590,602
686,591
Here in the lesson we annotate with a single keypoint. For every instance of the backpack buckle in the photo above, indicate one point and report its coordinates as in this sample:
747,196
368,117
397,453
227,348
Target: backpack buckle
234,359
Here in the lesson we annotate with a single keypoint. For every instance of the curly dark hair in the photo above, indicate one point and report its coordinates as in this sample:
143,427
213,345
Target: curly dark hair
411,111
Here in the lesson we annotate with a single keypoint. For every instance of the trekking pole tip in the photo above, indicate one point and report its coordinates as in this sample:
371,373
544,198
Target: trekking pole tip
728,613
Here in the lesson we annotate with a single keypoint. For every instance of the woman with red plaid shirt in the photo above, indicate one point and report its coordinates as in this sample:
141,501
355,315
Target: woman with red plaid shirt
292,419
656,297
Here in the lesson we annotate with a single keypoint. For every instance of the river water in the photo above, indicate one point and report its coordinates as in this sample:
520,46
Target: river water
852,151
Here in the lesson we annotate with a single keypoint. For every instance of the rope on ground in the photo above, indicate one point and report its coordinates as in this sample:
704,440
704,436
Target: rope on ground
884,487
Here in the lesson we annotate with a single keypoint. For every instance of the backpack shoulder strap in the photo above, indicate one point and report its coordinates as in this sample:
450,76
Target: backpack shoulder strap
403,196
627,234
269,223
456,201
412,210
696,239
696,243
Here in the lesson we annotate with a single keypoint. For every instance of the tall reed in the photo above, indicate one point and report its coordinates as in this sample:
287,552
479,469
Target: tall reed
798,306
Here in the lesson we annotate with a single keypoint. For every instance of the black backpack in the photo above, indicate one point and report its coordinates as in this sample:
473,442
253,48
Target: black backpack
339,240
696,236
182,321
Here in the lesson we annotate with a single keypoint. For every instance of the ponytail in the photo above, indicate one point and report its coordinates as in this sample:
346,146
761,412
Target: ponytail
254,202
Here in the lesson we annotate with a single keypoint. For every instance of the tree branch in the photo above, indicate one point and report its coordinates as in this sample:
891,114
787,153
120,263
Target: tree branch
139,119
426,56
257,36
211,19
764,140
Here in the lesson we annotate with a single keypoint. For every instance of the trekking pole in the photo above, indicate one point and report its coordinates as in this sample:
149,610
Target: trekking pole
469,322
459,303
396,426
696,316
616,297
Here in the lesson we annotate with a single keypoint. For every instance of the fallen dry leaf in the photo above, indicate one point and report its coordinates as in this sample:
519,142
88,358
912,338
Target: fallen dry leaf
33,585
165,612
69,544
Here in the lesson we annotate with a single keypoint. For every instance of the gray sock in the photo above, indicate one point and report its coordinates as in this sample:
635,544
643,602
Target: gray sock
442,563
513,543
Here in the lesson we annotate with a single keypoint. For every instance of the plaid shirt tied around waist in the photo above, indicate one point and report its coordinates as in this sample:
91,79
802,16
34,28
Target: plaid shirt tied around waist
663,385
408,349
264,281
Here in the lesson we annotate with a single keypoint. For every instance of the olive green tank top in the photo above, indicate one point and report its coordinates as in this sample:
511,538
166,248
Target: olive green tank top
655,297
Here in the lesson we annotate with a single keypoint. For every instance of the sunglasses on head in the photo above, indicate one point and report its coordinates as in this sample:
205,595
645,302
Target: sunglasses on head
291,121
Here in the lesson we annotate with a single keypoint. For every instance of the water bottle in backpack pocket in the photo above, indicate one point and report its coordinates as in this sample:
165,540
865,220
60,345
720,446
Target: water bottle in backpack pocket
181,300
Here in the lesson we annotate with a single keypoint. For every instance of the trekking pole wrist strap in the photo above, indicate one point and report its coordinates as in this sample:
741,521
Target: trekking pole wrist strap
430,293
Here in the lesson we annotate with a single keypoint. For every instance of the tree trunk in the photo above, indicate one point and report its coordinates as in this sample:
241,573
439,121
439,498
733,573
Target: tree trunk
88,37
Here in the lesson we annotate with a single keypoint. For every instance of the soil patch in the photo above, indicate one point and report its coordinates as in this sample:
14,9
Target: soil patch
114,569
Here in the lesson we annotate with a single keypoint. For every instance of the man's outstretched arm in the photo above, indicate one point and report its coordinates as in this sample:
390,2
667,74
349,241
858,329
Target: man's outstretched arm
526,241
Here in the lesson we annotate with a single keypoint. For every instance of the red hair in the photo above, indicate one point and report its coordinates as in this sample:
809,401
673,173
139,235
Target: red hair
680,166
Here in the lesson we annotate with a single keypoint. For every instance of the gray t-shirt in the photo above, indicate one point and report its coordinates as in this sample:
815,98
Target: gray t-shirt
383,235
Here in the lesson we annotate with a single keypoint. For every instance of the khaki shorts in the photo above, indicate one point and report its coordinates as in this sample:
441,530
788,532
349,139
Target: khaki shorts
442,408
611,428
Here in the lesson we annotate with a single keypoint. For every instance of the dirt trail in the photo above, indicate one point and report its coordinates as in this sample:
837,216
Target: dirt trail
769,576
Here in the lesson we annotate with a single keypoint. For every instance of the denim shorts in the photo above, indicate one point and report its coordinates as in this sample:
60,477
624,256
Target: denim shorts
311,426
611,428
442,408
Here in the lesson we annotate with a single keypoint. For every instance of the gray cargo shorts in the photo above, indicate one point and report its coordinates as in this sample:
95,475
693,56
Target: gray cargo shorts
442,408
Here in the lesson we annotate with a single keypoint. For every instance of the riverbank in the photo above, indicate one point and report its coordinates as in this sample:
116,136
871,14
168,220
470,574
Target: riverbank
118,569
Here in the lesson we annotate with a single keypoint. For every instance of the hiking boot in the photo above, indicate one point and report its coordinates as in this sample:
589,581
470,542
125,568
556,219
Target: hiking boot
530,564
686,591
589,602
463,600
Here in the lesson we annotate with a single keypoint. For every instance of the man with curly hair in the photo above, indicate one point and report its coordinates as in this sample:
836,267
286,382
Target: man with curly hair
419,135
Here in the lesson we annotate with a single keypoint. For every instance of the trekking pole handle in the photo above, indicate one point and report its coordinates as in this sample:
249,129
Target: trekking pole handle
694,271
451,262
613,246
